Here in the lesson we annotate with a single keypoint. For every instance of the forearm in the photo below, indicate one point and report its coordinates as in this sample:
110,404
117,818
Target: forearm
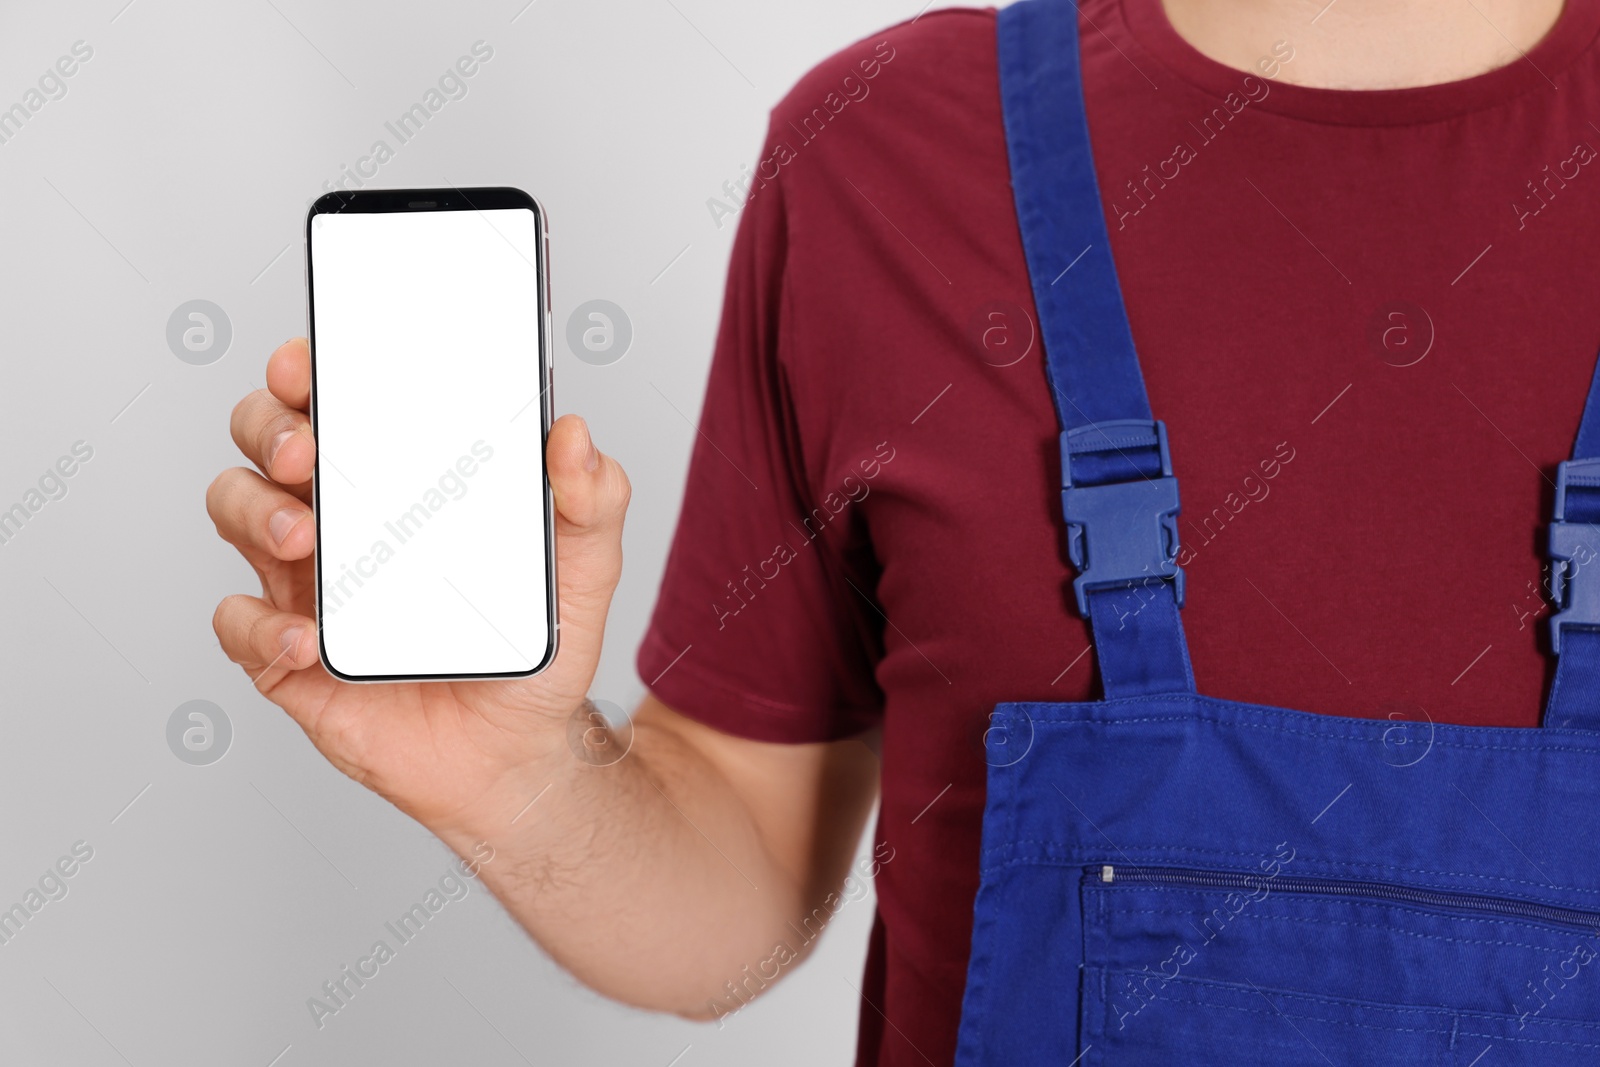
649,878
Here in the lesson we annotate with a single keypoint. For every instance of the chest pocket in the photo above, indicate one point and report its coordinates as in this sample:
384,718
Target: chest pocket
1209,967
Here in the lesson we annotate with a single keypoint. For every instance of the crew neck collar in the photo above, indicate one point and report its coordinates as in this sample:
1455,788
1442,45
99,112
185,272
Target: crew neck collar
1543,67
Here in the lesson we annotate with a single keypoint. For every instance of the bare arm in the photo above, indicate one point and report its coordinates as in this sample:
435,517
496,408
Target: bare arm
659,878
656,879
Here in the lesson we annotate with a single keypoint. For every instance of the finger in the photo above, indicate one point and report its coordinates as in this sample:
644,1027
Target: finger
275,436
253,513
591,493
253,633
289,373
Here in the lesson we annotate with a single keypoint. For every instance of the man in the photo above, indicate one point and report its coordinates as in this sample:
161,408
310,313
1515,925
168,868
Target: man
1354,242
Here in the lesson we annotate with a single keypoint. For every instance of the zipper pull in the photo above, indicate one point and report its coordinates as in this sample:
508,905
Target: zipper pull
1108,874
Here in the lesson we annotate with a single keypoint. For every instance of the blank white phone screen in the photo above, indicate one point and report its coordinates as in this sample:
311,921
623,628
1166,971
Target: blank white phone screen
430,477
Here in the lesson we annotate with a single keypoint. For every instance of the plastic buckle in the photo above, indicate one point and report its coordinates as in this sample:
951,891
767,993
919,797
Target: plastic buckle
1120,534
1574,556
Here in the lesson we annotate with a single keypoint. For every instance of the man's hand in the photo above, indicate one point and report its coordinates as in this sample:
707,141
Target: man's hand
658,879
436,750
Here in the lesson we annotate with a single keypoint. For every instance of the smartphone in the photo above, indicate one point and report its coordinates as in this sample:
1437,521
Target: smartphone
429,320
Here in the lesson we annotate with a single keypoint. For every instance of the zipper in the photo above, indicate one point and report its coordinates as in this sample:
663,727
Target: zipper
1180,877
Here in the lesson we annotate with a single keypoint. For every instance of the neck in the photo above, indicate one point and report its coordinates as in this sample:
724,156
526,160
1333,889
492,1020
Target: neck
1367,44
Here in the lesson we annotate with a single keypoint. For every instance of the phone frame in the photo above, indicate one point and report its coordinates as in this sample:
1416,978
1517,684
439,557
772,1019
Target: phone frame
487,198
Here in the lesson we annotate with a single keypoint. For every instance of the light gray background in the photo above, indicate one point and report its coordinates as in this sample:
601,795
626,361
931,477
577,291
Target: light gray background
178,166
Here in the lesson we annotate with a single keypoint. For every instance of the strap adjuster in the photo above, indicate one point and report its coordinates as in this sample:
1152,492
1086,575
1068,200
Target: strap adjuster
1574,556
1120,534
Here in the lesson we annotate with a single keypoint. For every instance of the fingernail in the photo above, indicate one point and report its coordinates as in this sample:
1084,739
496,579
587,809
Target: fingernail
290,641
592,460
275,447
283,521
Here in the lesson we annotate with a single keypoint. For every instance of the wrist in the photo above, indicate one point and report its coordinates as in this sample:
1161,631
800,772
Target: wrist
522,798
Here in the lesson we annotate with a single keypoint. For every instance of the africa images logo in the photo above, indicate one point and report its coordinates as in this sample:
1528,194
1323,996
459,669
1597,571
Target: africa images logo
852,90
1252,90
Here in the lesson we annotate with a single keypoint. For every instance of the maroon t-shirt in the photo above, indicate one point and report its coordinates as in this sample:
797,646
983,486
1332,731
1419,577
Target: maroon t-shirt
1367,318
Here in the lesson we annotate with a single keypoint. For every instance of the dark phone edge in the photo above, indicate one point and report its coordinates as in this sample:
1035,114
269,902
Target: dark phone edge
486,198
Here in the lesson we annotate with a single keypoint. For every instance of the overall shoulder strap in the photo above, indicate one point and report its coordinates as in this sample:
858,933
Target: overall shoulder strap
1118,493
1575,578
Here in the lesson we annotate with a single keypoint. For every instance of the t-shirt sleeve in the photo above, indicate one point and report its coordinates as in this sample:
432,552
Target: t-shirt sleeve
757,630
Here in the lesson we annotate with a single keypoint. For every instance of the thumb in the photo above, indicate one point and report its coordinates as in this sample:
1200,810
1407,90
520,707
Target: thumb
591,495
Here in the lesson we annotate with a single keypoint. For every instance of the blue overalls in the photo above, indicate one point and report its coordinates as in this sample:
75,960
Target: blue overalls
1169,878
